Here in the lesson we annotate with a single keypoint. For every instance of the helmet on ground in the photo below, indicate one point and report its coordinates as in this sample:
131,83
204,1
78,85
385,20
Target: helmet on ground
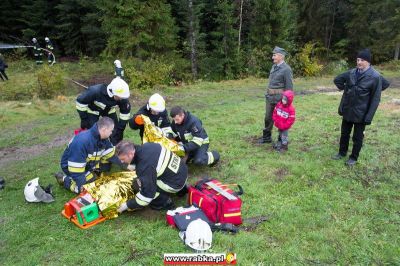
117,63
198,235
156,103
118,87
35,193
34,40
47,39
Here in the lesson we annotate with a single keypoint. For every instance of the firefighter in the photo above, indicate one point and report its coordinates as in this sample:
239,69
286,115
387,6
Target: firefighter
87,154
160,173
101,100
190,132
119,71
37,52
155,110
50,47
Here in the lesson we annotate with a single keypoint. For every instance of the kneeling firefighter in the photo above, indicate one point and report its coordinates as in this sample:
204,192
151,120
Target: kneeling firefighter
160,173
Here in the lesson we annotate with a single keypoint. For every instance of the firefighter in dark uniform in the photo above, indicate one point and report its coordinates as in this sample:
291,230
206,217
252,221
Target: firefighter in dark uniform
160,172
37,52
87,154
119,71
189,130
101,100
155,110
280,79
50,47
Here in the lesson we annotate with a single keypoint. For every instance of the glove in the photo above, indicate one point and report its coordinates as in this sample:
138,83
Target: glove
131,167
85,124
139,120
123,207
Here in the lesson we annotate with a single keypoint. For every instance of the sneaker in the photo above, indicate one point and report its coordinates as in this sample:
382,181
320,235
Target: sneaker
351,162
60,178
337,156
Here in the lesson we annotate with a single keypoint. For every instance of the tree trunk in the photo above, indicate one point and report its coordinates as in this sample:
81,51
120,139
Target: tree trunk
332,25
192,39
240,24
397,51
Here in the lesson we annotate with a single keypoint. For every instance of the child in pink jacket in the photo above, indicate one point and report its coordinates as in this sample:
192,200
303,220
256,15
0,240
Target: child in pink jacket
283,117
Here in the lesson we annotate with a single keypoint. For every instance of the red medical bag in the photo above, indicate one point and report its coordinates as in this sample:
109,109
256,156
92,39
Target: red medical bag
218,202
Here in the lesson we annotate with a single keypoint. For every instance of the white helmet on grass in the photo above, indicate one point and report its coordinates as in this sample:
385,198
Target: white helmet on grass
118,87
35,193
198,235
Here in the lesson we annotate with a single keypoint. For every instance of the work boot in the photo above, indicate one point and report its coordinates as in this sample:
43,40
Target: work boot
216,158
60,178
350,162
182,192
159,206
337,156
266,137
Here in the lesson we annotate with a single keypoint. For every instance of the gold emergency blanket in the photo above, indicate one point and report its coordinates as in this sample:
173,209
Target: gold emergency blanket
111,190
154,134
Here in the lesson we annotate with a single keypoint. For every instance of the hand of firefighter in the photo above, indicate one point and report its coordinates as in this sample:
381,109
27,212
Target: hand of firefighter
123,207
131,167
139,120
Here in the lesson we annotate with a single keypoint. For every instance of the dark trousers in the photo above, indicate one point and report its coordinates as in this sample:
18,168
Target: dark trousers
358,136
269,109
202,156
3,75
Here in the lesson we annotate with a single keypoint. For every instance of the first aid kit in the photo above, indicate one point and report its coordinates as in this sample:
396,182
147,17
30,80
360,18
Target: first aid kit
182,216
219,203
83,211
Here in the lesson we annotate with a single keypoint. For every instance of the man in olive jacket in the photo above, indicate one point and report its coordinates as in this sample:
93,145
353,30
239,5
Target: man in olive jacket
362,88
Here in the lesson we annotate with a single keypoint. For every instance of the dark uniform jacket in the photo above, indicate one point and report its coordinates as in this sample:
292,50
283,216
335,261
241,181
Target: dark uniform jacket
160,120
190,132
280,77
84,153
3,65
95,100
361,94
156,168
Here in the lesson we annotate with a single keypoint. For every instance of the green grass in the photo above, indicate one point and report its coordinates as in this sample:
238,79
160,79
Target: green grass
320,212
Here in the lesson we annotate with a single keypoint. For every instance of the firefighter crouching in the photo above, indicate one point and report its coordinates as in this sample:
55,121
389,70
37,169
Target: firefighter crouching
190,132
160,173
101,100
155,110
88,153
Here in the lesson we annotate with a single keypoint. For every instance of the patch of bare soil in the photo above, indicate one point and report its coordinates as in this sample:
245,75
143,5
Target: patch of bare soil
253,140
392,106
318,90
280,174
394,83
13,154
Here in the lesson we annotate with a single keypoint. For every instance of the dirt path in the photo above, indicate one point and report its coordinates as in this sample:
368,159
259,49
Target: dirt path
12,154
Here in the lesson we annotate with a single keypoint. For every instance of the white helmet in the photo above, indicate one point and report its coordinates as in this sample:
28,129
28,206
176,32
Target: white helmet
118,87
34,40
47,39
198,235
156,103
117,63
35,193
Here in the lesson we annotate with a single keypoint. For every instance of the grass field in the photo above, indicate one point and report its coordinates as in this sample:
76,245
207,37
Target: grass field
319,211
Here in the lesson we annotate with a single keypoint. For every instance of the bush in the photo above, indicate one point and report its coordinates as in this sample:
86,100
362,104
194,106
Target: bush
393,65
335,67
304,64
145,75
51,82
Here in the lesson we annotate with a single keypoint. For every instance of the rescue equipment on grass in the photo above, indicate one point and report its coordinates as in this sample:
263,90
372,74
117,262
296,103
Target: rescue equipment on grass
198,235
181,217
219,203
154,134
35,193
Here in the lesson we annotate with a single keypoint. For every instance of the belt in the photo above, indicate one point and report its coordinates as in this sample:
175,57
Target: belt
275,91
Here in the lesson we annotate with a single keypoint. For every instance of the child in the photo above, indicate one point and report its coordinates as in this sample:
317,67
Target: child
119,71
283,117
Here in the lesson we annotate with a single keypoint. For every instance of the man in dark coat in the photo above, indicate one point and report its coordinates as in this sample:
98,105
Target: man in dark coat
3,67
362,88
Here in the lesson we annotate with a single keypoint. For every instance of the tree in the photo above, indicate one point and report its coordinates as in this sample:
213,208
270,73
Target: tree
138,28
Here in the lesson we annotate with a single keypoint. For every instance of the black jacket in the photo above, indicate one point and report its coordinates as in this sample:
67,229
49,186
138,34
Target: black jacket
3,65
161,120
190,132
157,169
361,96
95,100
